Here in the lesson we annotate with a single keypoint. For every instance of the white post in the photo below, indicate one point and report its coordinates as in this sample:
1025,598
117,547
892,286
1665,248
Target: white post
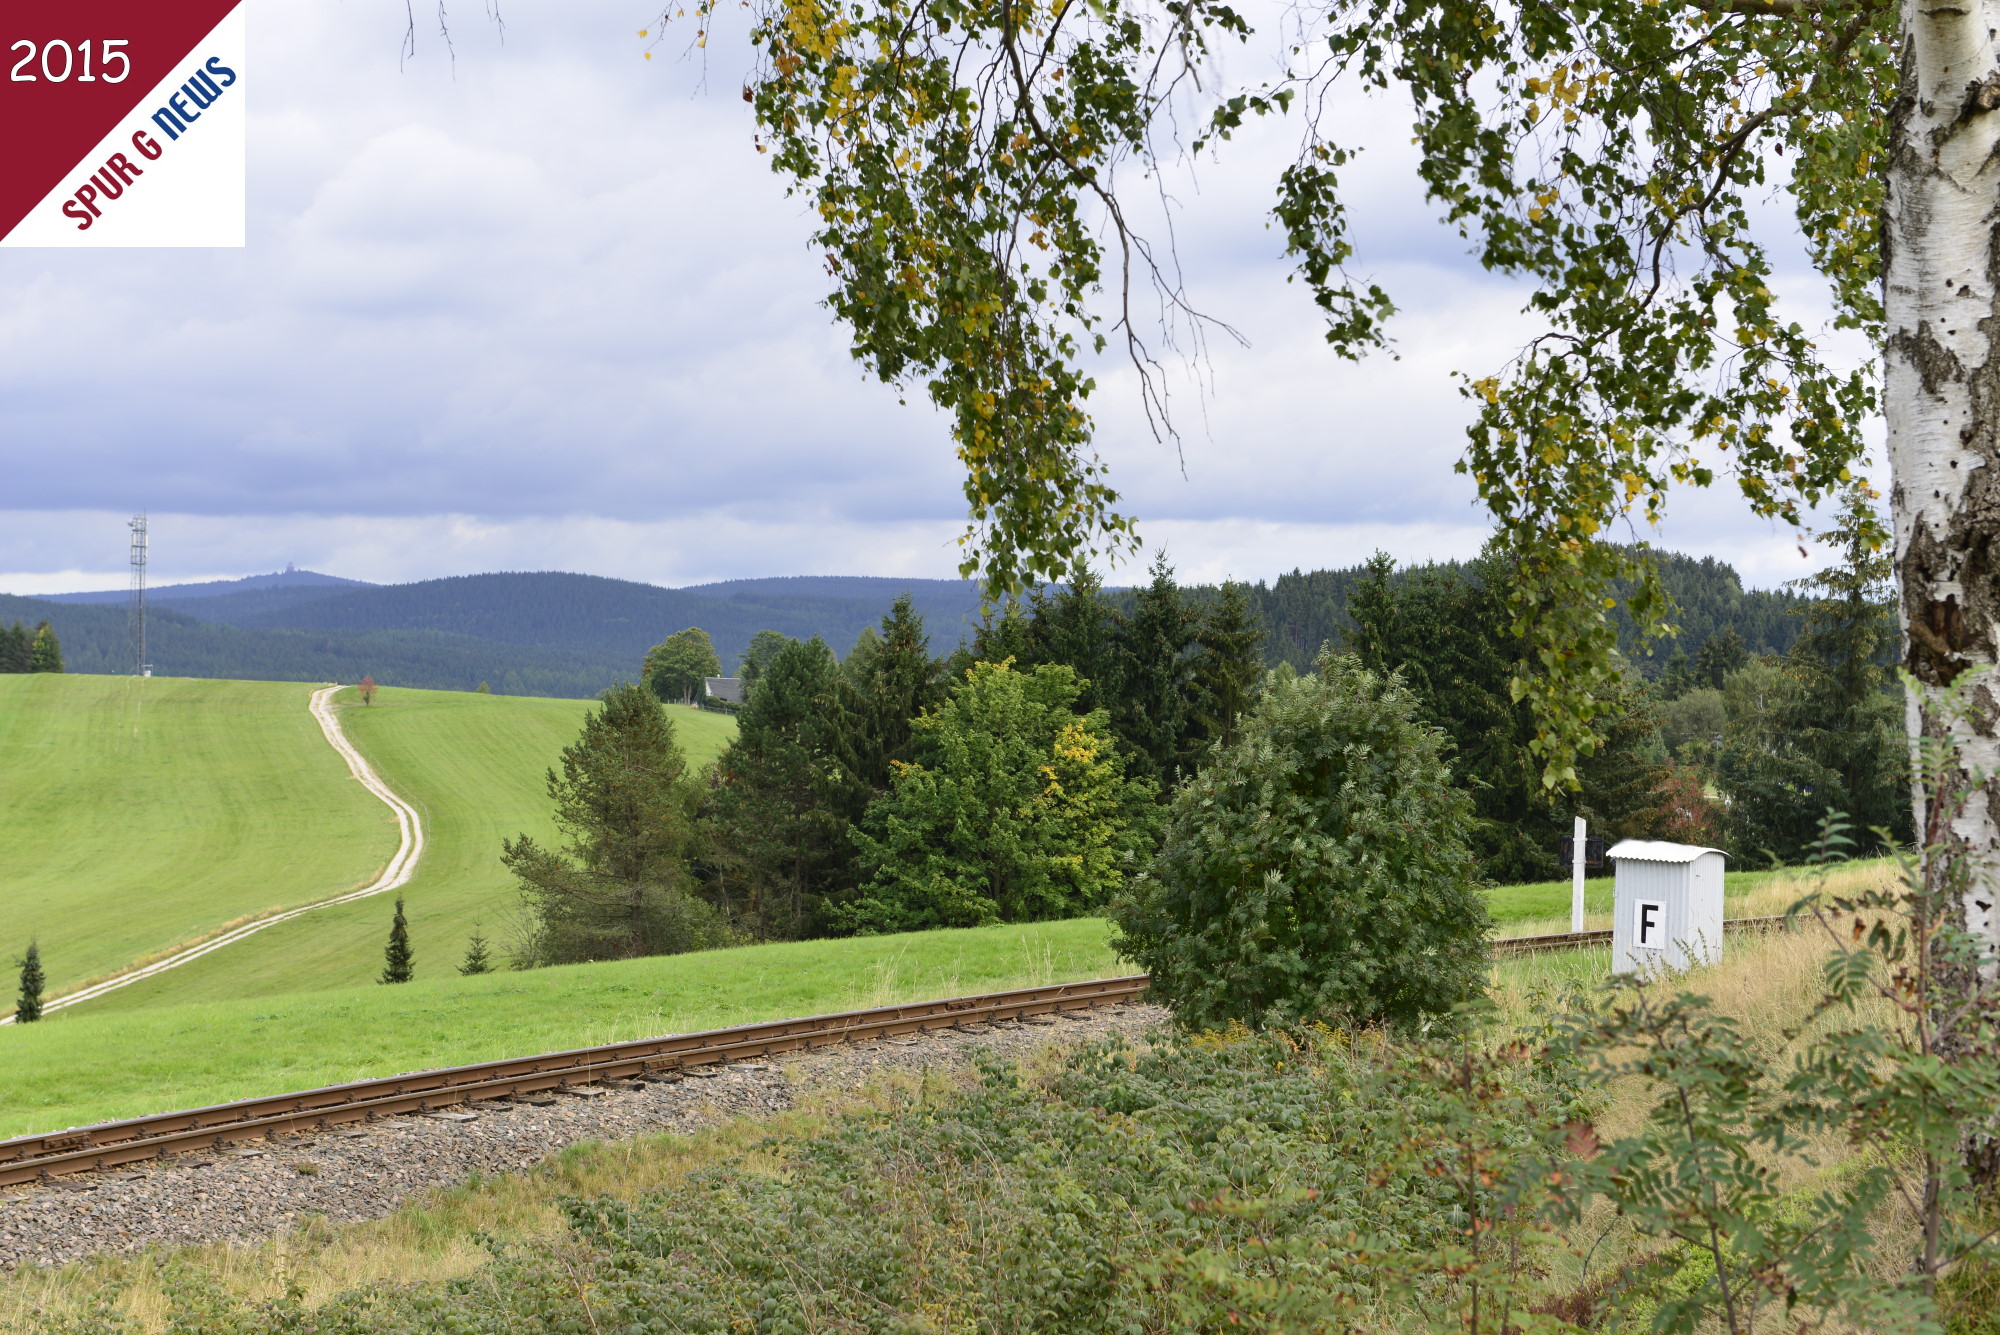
1576,878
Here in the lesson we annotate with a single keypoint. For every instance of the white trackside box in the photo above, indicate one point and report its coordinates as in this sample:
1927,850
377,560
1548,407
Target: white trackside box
1667,906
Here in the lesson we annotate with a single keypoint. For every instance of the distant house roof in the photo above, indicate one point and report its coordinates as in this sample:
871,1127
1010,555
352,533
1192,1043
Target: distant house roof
1653,850
729,689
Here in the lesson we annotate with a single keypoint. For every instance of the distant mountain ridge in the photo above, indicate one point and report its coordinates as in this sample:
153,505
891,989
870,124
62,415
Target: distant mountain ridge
554,633
523,633
309,581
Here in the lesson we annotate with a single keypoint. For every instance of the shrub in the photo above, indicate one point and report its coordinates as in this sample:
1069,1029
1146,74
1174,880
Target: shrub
1016,809
1318,867
1204,1184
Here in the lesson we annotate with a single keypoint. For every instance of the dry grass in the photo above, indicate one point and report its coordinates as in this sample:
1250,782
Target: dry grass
1769,897
1769,983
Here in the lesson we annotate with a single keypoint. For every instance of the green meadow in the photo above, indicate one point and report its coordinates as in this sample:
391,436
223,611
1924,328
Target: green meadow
474,767
88,1065
140,813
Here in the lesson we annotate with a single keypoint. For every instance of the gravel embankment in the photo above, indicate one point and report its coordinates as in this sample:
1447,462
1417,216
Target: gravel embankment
366,1172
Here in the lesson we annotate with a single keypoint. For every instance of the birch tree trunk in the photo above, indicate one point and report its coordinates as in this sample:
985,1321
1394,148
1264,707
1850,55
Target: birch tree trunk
1941,281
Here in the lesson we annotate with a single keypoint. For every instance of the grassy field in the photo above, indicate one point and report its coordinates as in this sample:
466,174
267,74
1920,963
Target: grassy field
132,1062
84,1065
136,814
473,766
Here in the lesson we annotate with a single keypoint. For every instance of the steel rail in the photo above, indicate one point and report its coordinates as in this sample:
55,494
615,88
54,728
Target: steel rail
109,1144
1529,945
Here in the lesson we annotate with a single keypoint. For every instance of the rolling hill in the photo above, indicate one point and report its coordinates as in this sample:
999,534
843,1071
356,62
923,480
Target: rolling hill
556,634
546,634
140,814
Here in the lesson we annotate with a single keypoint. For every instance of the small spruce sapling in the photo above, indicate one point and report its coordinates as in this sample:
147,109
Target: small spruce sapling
399,962
477,958
29,1007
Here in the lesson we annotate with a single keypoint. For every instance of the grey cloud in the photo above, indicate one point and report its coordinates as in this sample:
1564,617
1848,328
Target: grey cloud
546,307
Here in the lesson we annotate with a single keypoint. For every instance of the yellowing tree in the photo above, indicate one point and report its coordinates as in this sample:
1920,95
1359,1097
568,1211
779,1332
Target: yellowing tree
968,163
1015,809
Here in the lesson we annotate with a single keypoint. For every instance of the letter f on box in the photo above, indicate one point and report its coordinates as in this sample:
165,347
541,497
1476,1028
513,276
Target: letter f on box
1650,924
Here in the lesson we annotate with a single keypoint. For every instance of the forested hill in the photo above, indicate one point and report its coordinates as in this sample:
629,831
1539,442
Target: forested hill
1302,611
574,635
285,583
525,633
177,645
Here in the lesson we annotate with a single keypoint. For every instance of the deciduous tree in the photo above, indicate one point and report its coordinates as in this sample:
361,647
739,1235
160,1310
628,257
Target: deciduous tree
966,167
1316,869
1015,809
675,667
366,690
46,653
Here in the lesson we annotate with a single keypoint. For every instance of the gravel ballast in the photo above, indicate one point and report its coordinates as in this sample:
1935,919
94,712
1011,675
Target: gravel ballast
365,1171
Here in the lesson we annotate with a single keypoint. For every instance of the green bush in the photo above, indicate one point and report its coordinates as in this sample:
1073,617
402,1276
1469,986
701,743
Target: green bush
1016,809
1318,867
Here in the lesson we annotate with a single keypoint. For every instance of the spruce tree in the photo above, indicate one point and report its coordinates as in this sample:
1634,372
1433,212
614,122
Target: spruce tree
784,795
29,1007
888,681
17,652
621,887
399,962
1229,666
1078,629
1720,654
477,958
47,652
1151,714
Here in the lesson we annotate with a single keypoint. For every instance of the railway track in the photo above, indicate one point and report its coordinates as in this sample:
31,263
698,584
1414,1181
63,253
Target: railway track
109,1144
1532,945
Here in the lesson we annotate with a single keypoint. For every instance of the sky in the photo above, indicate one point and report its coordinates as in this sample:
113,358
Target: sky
535,303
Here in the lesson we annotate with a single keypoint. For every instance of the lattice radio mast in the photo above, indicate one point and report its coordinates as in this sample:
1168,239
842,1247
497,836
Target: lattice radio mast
135,607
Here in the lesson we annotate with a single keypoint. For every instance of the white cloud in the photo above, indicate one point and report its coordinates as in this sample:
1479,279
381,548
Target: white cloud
543,306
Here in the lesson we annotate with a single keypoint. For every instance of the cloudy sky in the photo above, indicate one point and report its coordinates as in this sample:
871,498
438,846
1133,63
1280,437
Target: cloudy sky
541,306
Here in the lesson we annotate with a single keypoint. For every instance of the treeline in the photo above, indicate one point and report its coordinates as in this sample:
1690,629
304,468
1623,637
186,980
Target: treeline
24,650
1302,611
1739,748
1020,777
1025,775
574,635
94,639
